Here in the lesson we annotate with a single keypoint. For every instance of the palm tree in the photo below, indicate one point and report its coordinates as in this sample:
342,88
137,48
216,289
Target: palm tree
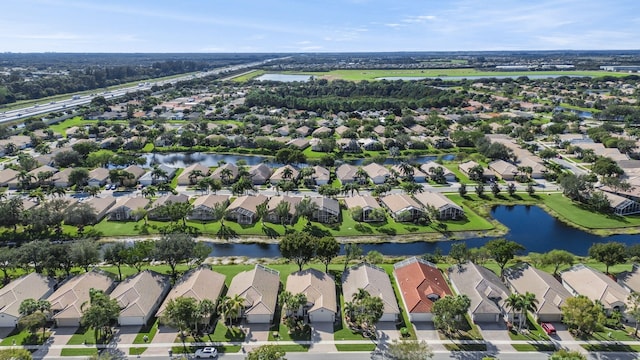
350,188
194,175
220,212
25,179
514,304
261,211
225,175
148,192
37,195
282,211
206,308
56,191
529,303
306,208
306,174
361,175
158,173
407,171
287,173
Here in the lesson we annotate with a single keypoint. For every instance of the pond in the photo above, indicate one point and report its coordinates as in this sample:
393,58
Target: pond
530,226
472,77
284,77
182,160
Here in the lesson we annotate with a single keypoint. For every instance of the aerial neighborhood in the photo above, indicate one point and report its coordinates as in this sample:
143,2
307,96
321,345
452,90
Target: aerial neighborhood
226,208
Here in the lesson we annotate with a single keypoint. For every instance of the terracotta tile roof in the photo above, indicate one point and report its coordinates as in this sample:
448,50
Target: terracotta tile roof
421,284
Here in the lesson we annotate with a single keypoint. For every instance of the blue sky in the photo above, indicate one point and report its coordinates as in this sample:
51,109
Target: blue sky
316,25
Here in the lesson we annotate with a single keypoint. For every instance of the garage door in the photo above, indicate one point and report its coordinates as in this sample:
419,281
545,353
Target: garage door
321,315
258,319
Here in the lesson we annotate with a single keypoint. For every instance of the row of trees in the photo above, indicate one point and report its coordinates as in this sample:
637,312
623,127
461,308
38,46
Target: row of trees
41,255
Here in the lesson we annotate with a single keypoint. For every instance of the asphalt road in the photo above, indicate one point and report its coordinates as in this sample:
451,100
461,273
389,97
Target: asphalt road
75,101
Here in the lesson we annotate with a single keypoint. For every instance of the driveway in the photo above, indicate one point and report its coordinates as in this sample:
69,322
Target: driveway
255,332
322,338
165,335
387,332
497,337
427,332
59,336
563,334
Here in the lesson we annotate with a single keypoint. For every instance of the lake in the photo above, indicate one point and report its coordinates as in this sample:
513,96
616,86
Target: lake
182,160
284,77
530,226
472,77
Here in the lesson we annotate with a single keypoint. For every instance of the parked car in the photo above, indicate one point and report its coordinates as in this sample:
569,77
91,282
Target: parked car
208,352
548,328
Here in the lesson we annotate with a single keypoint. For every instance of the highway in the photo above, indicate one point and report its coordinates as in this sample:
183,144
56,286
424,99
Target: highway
78,100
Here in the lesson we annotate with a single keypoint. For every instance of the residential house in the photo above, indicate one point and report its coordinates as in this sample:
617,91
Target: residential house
148,177
156,211
583,280
9,178
340,130
485,290
136,171
243,209
551,295
467,166
28,204
259,174
348,145
274,201
377,173
376,282
101,205
187,176
61,178
366,202
98,177
322,131
630,280
203,206
621,205
328,210
446,208
402,207
259,288
68,299
200,284
370,144
321,176
124,208
44,169
227,173
448,174
320,291
346,173
31,286
299,143
503,169
418,175
421,284
279,174
140,296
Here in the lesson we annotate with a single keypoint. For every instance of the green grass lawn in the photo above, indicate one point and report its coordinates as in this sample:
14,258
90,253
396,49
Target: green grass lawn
79,351
248,76
82,337
24,337
149,331
223,333
576,214
355,347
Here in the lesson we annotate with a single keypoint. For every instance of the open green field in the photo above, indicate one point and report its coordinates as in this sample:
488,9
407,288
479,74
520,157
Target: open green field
248,76
575,214
358,75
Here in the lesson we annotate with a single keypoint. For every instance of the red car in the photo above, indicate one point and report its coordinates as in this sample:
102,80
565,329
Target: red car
548,328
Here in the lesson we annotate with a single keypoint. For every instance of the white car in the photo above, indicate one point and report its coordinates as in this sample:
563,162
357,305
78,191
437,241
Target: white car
208,352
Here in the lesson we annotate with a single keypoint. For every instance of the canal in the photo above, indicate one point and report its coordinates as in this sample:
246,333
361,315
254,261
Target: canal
530,226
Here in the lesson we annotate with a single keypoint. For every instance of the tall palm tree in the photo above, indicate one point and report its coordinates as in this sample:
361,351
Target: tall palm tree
159,173
287,173
514,304
225,175
148,192
206,308
306,208
282,211
407,170
529,303
194,175
361,175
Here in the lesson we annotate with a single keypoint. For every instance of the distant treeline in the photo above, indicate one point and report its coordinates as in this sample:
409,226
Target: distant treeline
339,95
34,76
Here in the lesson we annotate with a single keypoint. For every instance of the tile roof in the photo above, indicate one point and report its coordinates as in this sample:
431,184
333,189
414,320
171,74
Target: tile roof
372,279
31,286
138,294
201,283
259,287
68,299
421,284
319,288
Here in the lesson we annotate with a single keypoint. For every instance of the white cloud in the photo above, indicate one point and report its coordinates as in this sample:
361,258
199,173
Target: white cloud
419,19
